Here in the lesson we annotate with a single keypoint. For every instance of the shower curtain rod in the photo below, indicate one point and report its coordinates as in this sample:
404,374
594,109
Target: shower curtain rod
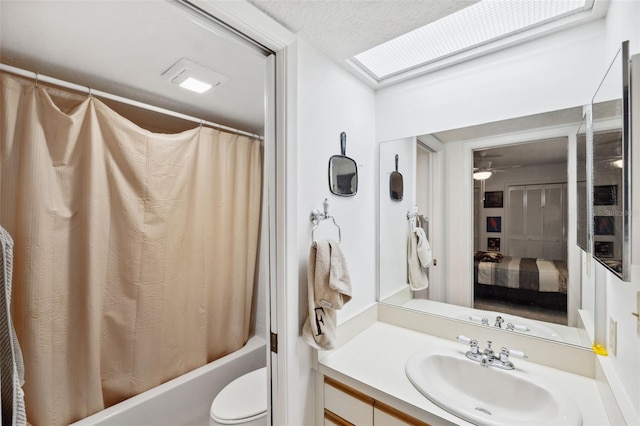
98,93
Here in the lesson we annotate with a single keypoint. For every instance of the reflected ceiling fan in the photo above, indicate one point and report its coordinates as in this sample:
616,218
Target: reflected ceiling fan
482,169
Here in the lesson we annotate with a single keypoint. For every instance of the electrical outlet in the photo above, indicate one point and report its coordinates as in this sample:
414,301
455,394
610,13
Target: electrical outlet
613,335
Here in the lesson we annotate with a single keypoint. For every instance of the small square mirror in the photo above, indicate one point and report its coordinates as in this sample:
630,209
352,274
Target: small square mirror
396,184
343,172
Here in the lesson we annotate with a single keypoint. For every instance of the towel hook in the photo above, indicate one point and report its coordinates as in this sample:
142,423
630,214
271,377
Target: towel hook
316,217
412,217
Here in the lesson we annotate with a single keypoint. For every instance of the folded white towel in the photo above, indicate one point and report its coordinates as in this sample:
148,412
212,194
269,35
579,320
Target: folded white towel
329,288
11,364
417,248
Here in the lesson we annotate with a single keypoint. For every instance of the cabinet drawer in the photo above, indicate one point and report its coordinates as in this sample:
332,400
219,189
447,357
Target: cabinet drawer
348,403
385,415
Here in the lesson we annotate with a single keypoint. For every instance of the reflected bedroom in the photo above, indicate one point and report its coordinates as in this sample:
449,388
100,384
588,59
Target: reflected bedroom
520,230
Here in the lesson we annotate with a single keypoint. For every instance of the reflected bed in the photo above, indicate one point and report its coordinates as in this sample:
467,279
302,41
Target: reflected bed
521,280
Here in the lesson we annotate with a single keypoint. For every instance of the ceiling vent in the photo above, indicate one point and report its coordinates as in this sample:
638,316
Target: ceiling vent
191,76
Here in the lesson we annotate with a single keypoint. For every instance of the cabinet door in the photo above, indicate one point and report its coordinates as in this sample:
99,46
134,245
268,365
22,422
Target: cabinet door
347,403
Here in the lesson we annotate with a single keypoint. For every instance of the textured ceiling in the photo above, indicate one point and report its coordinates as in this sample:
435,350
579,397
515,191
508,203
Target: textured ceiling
343,28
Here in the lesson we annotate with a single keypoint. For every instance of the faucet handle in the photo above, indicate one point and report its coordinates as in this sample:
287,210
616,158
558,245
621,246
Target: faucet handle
514,327
464,339
476,318
517,354
472,342
505,353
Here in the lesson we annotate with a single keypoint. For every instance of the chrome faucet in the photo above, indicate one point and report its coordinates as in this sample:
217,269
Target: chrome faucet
488,356
499,321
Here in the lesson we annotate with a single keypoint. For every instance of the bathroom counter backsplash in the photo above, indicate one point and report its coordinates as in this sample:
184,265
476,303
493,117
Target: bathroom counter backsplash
374,362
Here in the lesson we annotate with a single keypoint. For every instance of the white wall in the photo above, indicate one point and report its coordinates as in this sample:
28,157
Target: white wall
328,101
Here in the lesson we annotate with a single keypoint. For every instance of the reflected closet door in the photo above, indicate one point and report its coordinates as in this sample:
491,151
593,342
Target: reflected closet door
553,214
516,222
537,221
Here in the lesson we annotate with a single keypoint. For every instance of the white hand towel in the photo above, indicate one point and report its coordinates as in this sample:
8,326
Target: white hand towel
423,248
417,274
339,280
329,288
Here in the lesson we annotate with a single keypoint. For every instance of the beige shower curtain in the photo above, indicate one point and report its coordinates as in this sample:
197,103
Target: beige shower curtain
135,252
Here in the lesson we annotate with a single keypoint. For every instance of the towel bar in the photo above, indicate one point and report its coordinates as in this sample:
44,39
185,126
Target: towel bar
316,217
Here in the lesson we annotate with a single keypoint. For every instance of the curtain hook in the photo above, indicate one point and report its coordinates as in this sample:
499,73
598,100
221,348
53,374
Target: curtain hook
90,92
37,80
201,123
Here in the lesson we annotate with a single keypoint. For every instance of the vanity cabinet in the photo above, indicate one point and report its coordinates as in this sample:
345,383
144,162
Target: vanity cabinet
344,406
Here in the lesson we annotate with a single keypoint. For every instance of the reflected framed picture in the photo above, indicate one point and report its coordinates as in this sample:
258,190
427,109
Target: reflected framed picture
603,225
603,249
493,244
605,195
493,199
494,224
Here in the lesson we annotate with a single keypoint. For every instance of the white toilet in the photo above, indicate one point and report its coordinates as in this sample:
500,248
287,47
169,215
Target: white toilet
242,402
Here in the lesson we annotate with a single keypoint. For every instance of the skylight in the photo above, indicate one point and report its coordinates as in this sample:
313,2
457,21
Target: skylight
476,25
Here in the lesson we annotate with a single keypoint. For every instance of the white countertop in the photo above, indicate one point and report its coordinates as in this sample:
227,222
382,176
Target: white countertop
374,362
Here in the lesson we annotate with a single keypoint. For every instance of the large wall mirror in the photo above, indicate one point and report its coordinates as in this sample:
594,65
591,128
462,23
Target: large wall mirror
524,210
544,192
611,172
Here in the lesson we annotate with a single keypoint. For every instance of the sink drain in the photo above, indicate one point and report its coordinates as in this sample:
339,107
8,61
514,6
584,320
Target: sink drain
484,410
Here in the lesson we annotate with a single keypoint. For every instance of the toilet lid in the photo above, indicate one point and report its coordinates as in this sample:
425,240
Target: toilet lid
244,397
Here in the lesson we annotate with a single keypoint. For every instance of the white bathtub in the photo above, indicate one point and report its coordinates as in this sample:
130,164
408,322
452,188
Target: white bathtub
185,400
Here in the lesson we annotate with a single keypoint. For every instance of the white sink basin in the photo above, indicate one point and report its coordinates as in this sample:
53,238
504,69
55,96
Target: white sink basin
488,395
